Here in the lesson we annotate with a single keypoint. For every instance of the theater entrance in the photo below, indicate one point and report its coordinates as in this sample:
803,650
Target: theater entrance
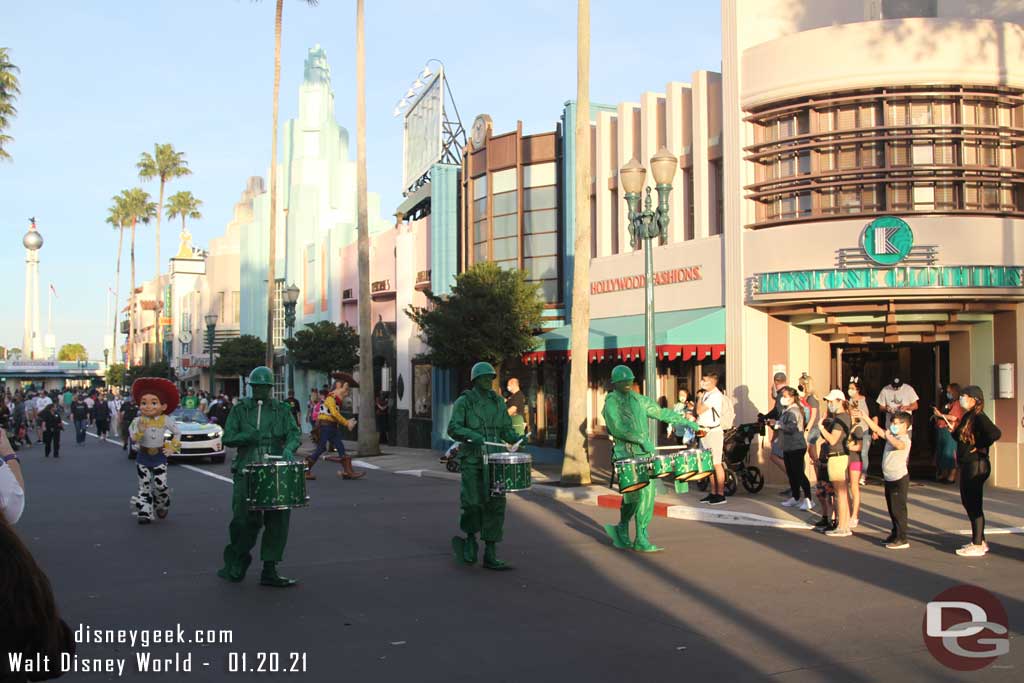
924,366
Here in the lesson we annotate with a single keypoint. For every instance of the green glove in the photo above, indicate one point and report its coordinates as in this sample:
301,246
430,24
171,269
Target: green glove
289,455
648,446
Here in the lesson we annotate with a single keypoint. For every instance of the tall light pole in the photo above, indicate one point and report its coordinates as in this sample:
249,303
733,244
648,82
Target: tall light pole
33,242
211,328
290,297
644,226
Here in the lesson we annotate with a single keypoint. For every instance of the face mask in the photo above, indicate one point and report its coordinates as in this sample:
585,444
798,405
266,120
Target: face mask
949,395
786,401
963,403
894,428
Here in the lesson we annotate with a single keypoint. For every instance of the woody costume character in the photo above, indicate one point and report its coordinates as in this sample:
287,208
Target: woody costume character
257,426
157,398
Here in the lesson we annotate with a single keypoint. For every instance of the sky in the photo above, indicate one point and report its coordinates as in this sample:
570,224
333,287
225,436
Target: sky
110,78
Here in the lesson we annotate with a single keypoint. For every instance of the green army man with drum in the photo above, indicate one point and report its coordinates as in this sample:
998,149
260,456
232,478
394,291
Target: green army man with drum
625,414
257,426
479,416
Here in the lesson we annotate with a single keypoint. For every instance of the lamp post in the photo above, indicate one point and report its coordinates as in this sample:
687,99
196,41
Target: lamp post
644,226
211,327
290,297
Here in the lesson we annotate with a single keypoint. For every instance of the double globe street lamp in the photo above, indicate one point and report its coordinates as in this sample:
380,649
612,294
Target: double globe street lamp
644,226
289,298
211,329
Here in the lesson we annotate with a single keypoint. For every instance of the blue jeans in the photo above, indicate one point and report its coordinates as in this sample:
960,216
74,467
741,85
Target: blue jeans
80,431
329,433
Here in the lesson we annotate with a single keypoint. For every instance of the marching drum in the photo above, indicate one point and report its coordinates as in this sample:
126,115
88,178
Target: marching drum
693,464
662,465
508,472
633,474
277,485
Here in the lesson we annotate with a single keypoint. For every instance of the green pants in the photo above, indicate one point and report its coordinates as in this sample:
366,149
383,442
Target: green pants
245,527
482,513
639,504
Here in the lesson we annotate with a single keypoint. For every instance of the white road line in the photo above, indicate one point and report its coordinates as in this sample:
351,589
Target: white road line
995,530
366,465
187,467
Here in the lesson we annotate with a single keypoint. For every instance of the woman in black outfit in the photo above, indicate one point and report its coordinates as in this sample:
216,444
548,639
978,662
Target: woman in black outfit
974,436
52,427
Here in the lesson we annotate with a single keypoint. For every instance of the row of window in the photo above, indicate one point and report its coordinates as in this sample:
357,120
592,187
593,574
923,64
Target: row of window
917,196
901,112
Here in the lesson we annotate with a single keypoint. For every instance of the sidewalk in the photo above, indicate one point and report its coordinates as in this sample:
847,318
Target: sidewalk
933,509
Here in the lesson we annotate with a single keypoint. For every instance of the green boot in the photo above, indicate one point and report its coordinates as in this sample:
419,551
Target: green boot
232,576
471,550
619,535
270,577
643,544
491,560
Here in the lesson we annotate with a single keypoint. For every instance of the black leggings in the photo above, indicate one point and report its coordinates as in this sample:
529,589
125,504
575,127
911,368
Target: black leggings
796,471
973,474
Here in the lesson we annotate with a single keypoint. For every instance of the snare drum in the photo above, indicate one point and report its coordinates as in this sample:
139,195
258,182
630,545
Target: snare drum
508,472
662,465
276,485
633,474
705,466
687,464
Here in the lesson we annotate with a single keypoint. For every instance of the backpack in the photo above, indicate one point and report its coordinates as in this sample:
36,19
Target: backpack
728,416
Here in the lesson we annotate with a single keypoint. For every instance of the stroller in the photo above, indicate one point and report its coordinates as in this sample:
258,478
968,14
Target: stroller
736,451
450,458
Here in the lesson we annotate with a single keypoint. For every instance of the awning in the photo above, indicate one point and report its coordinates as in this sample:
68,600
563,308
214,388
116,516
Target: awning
688,335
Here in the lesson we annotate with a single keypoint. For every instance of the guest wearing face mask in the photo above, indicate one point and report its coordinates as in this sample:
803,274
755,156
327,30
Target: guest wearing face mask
946,420
789,439
835,431
859,401
897,397
974,436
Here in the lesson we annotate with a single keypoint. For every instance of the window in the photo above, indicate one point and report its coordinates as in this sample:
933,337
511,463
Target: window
988,197
421,385
236,307
540,221
278,314
905,9
540,198
279,383
505,202
221,310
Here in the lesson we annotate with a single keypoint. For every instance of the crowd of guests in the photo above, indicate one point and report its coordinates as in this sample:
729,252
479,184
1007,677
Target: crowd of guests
835,432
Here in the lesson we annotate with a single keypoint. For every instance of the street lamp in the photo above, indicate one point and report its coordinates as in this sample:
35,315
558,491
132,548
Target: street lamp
645,225
211,327
290,297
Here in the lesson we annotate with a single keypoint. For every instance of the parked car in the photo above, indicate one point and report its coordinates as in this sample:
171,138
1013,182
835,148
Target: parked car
200,438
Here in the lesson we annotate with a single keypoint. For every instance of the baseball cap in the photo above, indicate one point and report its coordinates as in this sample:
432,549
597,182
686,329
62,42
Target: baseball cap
974,392
835,395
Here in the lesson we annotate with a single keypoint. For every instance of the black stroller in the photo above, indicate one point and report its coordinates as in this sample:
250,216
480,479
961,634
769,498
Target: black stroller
736,451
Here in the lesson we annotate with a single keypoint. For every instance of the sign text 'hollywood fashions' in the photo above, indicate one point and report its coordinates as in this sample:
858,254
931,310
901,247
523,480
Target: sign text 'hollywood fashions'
663,277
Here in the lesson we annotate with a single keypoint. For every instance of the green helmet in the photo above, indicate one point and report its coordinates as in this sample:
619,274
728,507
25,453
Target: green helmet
261,375
622,373
480,369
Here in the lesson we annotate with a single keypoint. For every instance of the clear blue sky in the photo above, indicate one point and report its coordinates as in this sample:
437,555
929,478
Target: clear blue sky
102,81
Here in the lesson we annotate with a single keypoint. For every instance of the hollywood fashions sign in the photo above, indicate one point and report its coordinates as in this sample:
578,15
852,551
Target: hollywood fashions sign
663,277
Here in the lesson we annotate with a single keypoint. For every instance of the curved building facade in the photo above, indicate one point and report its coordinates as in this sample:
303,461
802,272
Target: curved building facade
874,201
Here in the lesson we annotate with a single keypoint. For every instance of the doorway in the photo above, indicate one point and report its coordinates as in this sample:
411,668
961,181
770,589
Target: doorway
925,367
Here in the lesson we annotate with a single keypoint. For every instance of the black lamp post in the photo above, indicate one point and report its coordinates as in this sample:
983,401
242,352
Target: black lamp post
211,327
290,297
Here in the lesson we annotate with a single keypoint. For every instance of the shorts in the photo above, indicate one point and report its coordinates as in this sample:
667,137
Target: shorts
837,466
714,441
824,486
856,465
814,435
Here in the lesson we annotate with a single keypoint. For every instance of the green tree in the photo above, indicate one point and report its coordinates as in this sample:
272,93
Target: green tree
72,352
324,347
115,375
184,204
491,314
272,228
117,216
138,208
158,369
9,91
164,164
3,352
13,352
240,355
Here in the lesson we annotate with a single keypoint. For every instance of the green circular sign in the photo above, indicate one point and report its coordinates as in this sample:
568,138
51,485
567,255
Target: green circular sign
887,240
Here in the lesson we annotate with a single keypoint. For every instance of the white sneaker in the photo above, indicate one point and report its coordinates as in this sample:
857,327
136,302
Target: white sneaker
790,503
863,480
841,533
854,522
806,504
972,550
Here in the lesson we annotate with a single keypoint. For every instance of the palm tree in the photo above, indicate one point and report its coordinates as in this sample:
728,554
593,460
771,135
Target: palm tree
184,204
139,208
575,466
118,217
368,439
165,164
271,275
9,90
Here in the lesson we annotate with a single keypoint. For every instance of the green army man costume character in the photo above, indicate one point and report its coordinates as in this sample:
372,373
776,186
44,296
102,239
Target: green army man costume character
625,414
257,426
479,415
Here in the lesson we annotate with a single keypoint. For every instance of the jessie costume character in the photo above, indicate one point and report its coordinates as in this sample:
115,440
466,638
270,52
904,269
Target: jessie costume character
157,398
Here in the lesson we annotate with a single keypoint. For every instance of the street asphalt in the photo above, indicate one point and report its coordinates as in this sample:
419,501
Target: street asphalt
381,599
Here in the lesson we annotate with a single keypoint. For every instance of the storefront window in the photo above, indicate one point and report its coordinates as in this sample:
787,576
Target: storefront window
421,383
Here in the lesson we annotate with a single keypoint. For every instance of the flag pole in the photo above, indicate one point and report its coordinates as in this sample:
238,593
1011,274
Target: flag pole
49,316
